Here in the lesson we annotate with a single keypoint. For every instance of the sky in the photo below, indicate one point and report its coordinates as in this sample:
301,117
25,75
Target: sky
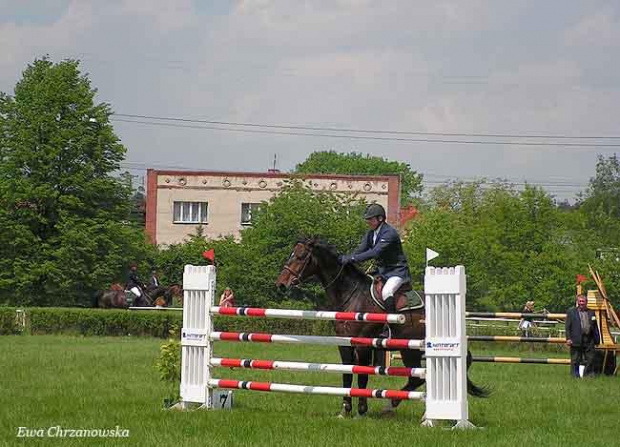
406,75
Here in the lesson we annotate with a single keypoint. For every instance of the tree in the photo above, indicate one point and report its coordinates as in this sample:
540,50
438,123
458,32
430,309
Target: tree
251,266
601,202
296,212
514,244
137,213
353,163
66,216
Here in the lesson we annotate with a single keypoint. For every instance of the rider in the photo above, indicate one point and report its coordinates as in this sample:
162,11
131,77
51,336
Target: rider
134,285
154,279
382,243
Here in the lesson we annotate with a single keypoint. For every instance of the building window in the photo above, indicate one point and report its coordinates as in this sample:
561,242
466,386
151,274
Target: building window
190,212
248,212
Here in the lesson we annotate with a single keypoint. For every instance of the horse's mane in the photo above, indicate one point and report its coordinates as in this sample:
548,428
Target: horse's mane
331,250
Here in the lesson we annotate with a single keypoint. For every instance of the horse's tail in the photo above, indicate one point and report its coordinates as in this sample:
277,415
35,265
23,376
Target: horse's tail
477,391
472,388
95,298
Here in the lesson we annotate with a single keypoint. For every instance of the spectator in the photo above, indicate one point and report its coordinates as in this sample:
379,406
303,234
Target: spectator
228,298
526,324
154,279
582,335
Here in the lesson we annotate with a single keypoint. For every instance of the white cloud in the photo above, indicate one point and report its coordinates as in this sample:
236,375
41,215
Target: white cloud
601,28
441,66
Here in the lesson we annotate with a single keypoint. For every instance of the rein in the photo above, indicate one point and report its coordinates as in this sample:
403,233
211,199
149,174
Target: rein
331,283
298,275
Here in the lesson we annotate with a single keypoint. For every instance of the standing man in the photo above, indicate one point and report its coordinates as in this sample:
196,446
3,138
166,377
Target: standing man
382,242
581,336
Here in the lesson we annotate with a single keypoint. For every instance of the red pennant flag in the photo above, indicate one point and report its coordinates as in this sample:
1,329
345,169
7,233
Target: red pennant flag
581,278
209,254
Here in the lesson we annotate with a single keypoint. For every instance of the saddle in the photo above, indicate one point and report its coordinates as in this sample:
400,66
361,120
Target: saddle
405,298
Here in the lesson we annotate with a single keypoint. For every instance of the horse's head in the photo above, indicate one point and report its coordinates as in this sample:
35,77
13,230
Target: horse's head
300,266
310,257
176,290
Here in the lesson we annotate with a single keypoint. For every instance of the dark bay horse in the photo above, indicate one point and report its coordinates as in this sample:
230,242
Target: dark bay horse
116,297
348,290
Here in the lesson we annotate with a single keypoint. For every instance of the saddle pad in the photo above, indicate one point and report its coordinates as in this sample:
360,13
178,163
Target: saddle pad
412,299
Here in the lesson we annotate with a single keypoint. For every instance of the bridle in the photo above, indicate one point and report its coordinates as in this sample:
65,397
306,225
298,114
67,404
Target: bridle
297,276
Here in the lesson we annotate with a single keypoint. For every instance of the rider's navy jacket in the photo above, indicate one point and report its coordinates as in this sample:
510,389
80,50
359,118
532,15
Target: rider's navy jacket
387,250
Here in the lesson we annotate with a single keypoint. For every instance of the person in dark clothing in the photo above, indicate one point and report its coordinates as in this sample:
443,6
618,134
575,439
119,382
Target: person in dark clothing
382,242
154,280
134,285
582,334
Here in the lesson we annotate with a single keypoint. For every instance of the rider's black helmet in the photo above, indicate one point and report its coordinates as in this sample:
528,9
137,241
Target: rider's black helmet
374,210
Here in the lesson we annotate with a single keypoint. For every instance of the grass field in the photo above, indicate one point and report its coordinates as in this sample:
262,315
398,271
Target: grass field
104,382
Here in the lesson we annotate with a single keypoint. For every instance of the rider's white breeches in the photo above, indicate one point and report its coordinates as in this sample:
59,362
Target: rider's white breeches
391,286
136,291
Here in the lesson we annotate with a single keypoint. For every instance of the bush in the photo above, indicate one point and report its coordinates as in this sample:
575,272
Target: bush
8,321
101,322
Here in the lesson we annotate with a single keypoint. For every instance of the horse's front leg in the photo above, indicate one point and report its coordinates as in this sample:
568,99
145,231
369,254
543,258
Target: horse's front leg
346,356
364,358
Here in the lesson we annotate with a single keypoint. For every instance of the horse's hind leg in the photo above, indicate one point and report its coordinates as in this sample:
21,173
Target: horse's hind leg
364,358
411,359
346,356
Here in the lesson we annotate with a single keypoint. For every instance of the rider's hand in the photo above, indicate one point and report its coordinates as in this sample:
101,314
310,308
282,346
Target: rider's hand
569,342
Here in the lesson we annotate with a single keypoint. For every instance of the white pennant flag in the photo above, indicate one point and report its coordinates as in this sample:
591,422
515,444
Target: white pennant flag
430,255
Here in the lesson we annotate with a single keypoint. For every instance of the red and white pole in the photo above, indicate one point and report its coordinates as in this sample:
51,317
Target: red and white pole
309,315
308,389
387,343
317,367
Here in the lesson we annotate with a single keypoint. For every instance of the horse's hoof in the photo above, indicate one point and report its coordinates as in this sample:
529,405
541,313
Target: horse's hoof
388,410
343,415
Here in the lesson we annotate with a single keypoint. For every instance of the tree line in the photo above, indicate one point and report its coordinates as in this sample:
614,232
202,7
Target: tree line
69,224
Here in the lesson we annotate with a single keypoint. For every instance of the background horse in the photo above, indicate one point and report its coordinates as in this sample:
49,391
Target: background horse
116,297
167,293
348,290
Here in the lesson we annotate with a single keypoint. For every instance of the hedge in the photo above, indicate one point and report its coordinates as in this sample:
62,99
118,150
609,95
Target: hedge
114,322
8,321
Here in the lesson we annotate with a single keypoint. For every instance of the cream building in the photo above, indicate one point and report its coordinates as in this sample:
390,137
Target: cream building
223,202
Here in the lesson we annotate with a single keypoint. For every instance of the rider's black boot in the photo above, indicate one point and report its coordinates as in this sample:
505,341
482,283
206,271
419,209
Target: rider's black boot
390,305
390,308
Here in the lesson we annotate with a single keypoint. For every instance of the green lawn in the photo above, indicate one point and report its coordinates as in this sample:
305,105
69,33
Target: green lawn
104,382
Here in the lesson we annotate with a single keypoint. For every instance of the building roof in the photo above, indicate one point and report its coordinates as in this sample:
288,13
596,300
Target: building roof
284,175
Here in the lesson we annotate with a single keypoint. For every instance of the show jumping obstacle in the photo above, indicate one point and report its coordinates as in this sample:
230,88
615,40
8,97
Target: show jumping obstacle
445,347
596,302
